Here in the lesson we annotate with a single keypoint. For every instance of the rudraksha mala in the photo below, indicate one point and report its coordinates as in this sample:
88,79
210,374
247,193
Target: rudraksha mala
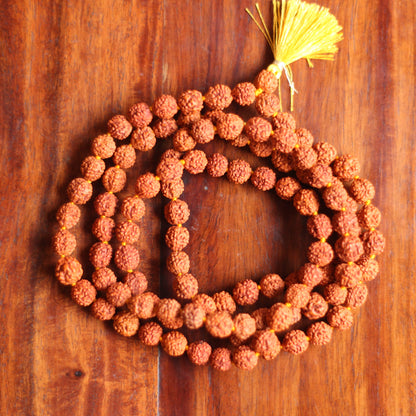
321,185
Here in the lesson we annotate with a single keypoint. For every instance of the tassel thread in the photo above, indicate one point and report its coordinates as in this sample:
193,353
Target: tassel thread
300,31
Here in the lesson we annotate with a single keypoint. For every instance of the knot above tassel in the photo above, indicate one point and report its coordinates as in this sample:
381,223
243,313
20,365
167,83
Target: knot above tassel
300,30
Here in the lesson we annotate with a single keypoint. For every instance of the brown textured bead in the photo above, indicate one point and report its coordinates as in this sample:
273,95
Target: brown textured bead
79,191
68,270
258,129
219,324
287,187
174,343
150,333
100,254
143,139
349,248
335,294
230,126
266,344
348,274
83,292
304,137
136,281
284,140
218,97
346,223
103,278
169,313
319,226
118,294
140,115
64,243
298,295
263,178
316,308
239,171
190,101
304,157
319,333
165,106
102,310
340,317
105,204
271,285
244,358
177,212
217,165
203,131
346,167
221,359
165,128
267,104
144,305
186,120
306,202
373,242
262,149
295,342
185,286
291,279
266,81
326,153
92,168
127,258
310,275
244,93
280,317
68,215
224,302
240,141
369,268
319,176
133,208
103,146
125,156
245,326
199,352
246,292
147,186
320,253
328,274
172,189
103,228
193,316
285,120
177,238
281,161
260,317
126,324
335,197
369,216
206,302
114,179
362,190
195,161
119,127
357,296
127,232
169,169
183,141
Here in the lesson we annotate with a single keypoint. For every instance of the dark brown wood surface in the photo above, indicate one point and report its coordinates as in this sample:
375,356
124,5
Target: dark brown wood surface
65,68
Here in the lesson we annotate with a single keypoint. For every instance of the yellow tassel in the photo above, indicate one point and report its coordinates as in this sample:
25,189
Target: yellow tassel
300,30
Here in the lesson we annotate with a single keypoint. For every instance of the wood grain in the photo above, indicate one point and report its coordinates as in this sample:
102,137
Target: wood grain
65,68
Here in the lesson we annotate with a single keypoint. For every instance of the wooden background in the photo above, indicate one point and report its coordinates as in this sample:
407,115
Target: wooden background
66,67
